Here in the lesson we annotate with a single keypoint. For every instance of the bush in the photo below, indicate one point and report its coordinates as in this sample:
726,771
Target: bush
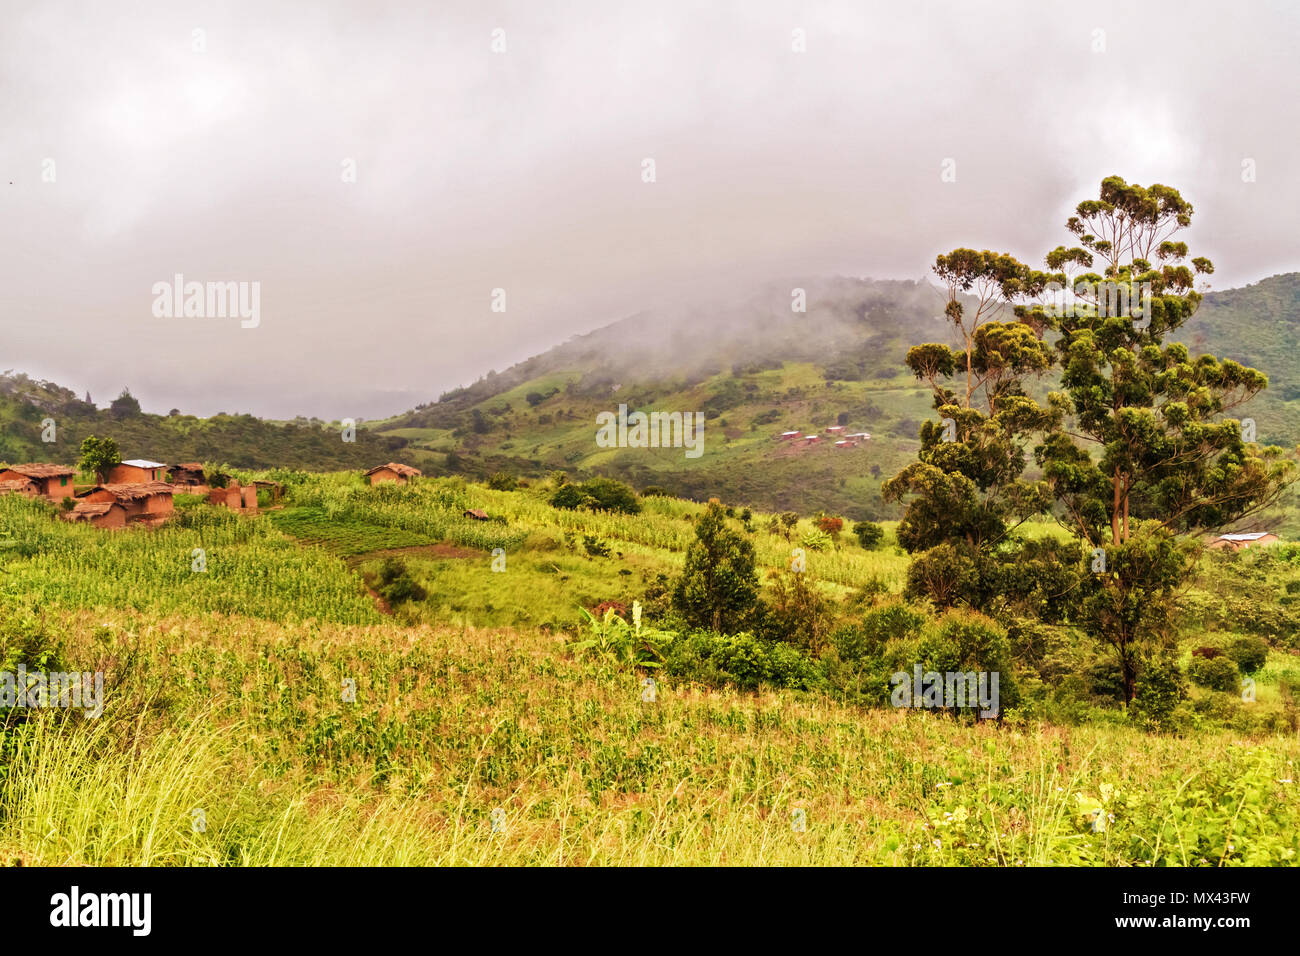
568,497
594,546
798,612
964,641
869,534
739,659
598,494
830,524
395,584
1250,653
1216,673
503,481
718,587
612,495
816,540
879,626
1160,689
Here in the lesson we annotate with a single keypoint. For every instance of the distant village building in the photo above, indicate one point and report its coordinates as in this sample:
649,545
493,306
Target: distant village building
478,514
392,472
147,501
136,471
274,487
834,429
1239,542
787,436
188,474
19,486
101,514
231,496
846,443
51,481
813,440
860,436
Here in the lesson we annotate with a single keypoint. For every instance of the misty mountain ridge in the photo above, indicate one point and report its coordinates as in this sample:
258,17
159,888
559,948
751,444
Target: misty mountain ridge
754,367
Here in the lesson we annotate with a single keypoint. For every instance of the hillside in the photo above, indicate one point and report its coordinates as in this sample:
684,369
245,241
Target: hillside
752,367
242,441
756,369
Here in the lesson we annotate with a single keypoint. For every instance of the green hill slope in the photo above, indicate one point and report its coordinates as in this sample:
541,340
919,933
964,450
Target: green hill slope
752,367
242,441
757,369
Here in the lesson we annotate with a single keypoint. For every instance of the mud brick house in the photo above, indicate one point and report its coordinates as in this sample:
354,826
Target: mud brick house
51,481
392,471
101,514
147,501
231,496
136,471
19,486
187,474
274,487
1239,542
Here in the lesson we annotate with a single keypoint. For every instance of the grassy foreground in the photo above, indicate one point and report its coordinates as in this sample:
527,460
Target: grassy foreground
476,735
497,747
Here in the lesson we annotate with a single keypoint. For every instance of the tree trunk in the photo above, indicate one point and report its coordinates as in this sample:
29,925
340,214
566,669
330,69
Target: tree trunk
969,345
1115,509
1126,490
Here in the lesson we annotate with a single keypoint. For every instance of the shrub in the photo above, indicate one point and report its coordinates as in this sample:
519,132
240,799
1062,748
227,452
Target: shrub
1207,652
1250,653
964,641
1216,673
815,540
612,495
718,588
598,494
1159,690
798,612
830,524
879,626
503,481
395,584
594,546
568,497
739,659
869,534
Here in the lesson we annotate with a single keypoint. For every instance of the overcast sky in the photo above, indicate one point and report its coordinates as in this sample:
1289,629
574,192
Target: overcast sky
523,170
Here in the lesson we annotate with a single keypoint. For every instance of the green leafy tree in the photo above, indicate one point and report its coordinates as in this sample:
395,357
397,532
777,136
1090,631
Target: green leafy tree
124,406
98,455
798,612
1145,457
869,534
966,492
718,588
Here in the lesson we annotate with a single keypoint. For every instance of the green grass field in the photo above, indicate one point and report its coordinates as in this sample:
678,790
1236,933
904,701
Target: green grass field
273,698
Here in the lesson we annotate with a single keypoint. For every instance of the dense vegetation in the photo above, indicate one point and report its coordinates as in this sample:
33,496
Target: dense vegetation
243,441
501,716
